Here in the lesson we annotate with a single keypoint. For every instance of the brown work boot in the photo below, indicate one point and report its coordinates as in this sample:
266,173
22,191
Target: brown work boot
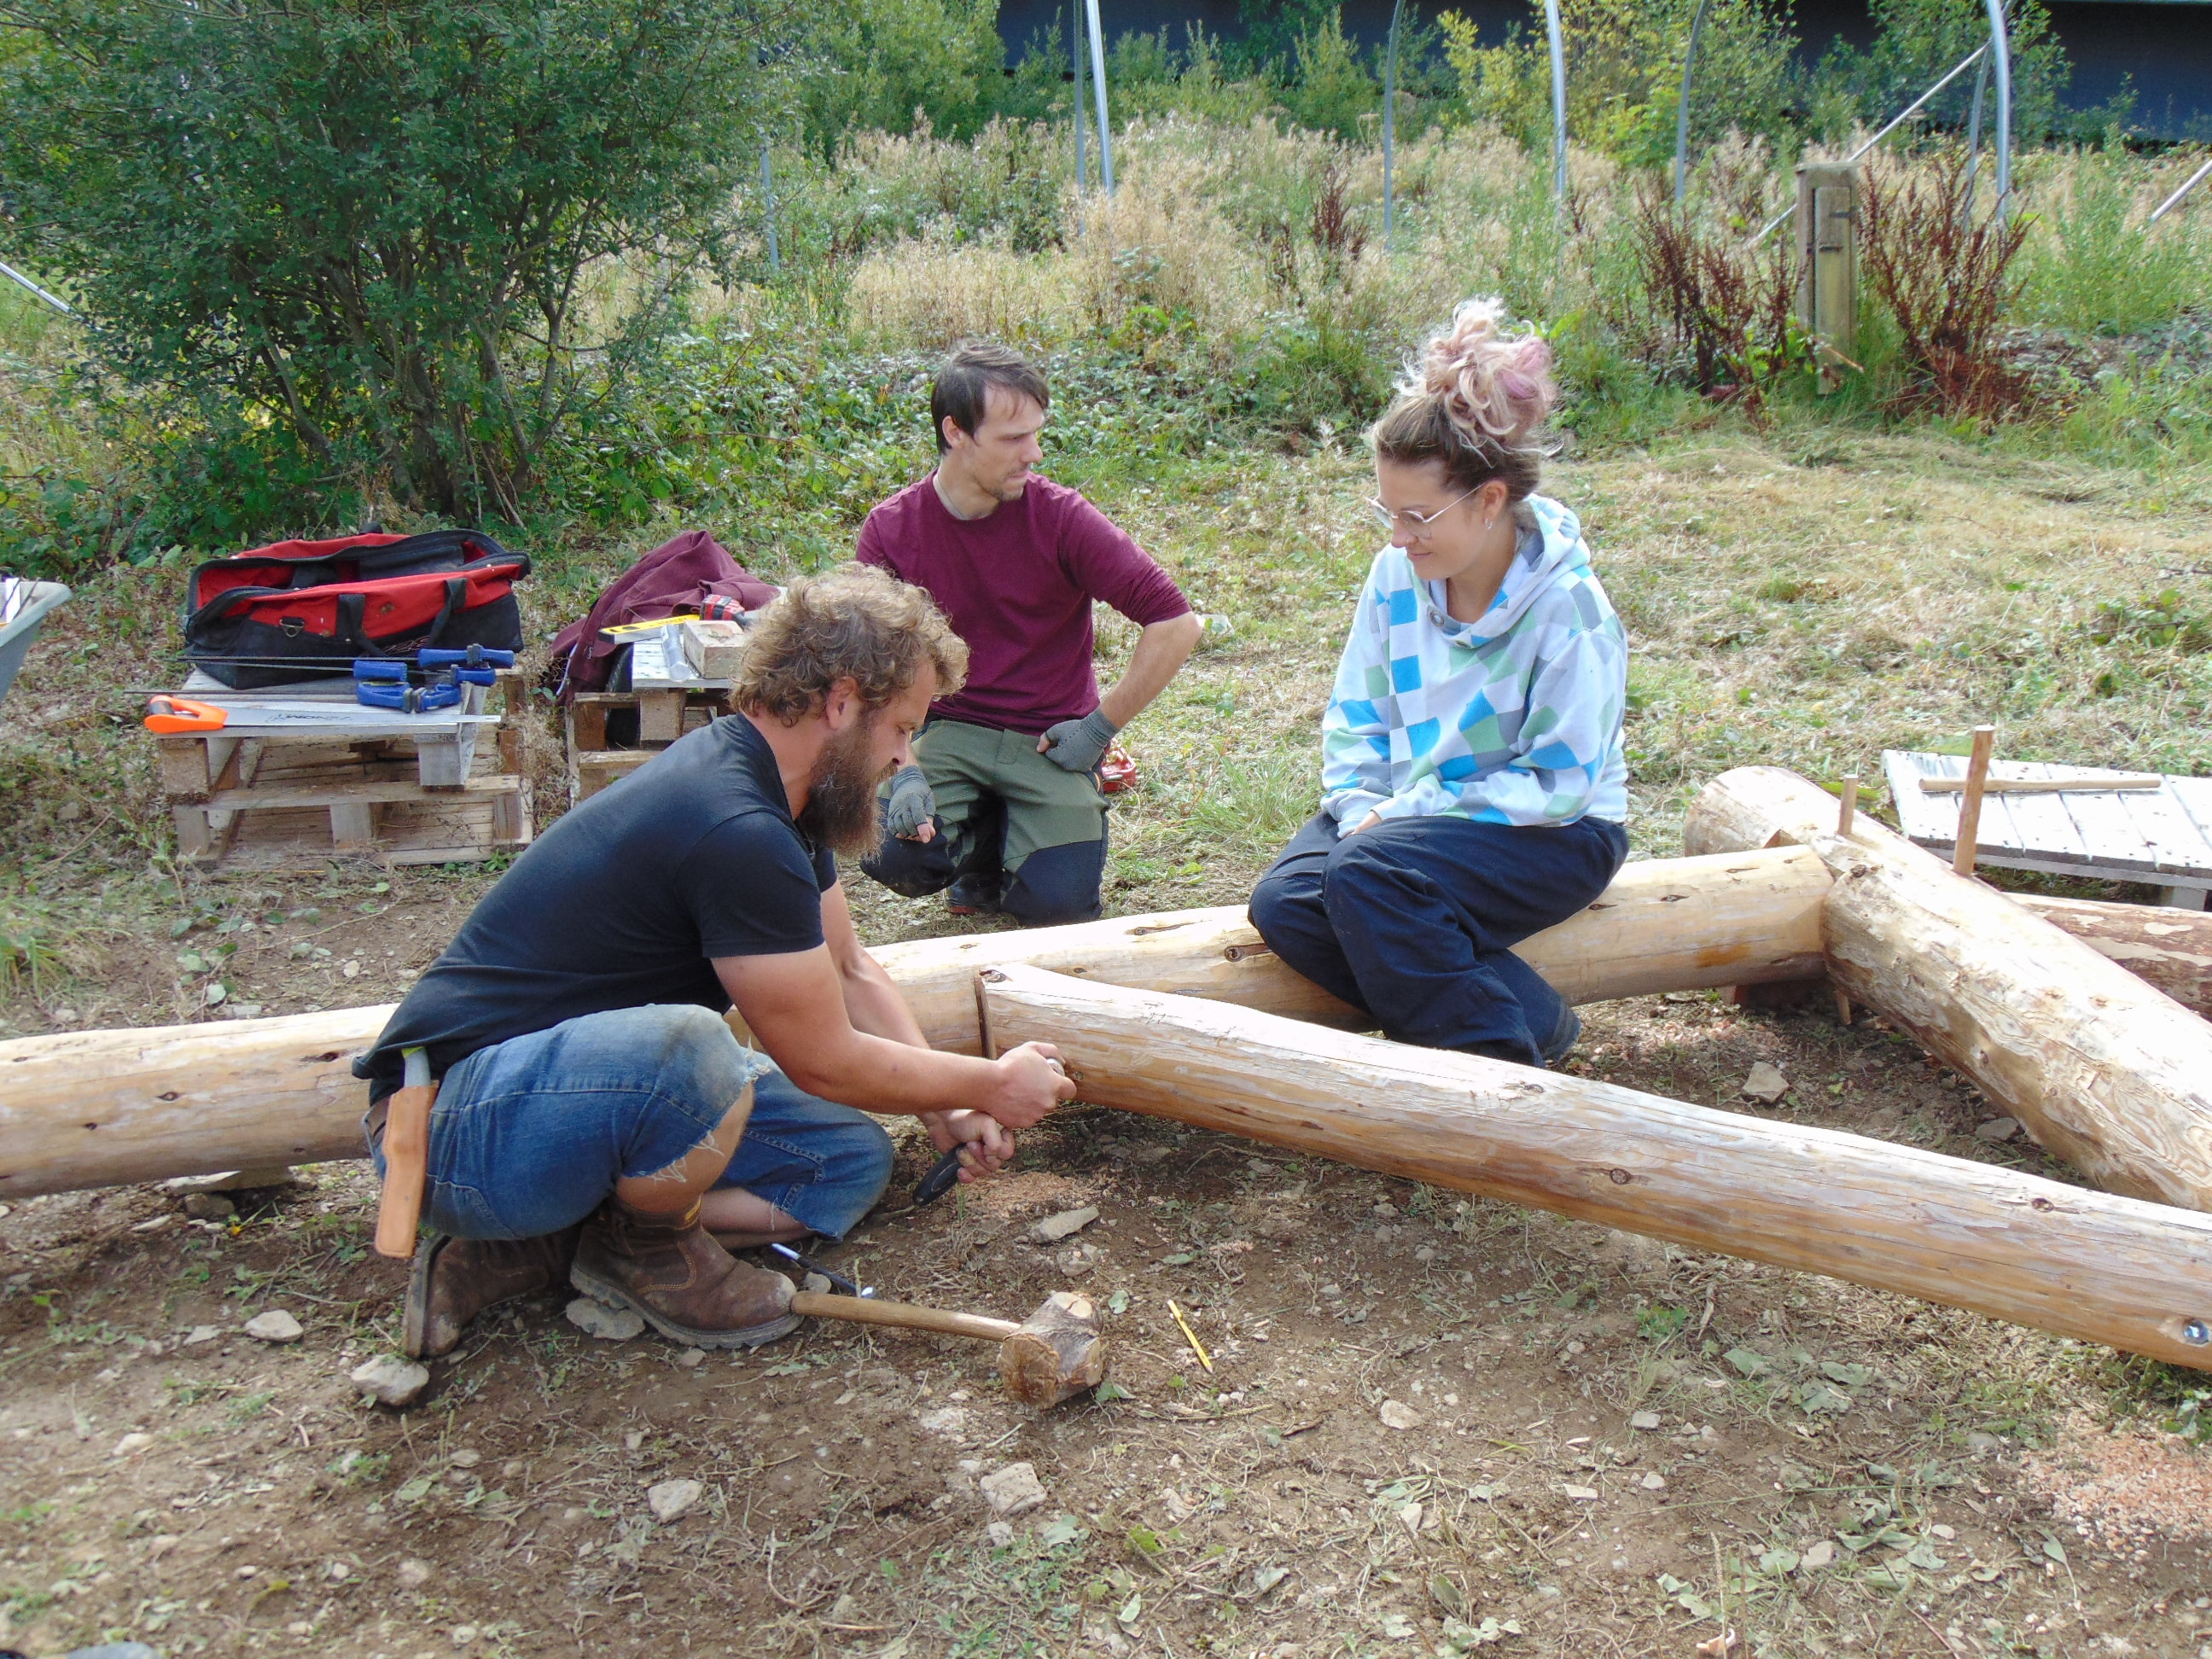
686,1285
455,1280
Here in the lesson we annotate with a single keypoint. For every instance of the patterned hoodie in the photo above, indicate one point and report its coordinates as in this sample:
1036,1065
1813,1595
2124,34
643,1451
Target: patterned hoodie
1512,718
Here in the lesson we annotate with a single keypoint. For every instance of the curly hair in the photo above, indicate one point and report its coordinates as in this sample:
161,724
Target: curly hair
1474,400
854,623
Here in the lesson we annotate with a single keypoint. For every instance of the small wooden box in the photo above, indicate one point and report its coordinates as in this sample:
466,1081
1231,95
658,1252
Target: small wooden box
712,648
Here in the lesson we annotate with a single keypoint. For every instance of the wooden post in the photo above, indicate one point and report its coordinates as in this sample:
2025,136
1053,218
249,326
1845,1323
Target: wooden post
1766,806
1970,802
1828,277
2016,1246
96,1109
2110,1075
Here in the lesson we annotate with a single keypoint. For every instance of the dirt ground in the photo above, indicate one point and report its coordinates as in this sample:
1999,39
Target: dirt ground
1432,1427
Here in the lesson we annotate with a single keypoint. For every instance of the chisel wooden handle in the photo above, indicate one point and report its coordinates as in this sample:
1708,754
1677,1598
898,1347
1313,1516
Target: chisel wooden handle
406,1159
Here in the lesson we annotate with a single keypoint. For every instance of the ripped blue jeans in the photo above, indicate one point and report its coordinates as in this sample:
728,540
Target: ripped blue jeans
529,1135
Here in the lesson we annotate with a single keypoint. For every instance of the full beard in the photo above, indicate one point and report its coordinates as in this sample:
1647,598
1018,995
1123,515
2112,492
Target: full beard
840,811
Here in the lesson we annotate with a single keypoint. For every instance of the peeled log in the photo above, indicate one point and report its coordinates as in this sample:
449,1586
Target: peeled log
2063,1259
1664,925
96,1109
2110,1074
1767,806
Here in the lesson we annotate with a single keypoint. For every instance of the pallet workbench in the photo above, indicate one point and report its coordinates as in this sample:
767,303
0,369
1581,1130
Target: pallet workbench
2162,836
656,699
285,795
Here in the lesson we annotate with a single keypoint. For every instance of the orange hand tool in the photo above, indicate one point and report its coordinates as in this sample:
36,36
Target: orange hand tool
169,715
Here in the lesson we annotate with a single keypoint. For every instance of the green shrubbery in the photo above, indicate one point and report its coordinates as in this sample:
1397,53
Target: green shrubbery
546,298
387,231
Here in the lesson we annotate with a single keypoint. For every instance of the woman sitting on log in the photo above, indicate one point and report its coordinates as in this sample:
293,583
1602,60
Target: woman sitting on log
1473,783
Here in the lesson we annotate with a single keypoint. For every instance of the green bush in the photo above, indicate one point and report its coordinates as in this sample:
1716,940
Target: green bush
879,65
1916,41
1333,91
390,230
1624,65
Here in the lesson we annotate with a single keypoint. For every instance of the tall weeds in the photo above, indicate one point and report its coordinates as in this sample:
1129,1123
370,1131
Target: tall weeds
1944,275
1712,308
2096,262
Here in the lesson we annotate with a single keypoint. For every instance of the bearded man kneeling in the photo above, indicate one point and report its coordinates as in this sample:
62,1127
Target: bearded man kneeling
597,1119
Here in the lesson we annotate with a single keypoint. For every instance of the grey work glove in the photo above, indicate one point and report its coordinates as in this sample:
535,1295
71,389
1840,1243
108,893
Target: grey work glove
1080,746
911,804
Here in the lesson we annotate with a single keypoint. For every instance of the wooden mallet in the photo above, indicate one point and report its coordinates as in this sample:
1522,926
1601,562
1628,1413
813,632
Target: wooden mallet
1056,1353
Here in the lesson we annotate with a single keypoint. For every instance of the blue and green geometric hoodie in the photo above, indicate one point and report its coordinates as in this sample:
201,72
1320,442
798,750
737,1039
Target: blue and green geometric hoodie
1514,718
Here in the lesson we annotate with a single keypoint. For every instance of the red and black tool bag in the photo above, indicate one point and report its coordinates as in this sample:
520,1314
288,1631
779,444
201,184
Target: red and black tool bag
295,610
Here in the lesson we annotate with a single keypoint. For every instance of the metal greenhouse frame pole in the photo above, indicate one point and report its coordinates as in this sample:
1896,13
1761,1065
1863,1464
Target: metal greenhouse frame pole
2001,54
1682,107
1075,53
67,310
1390,124
2190,184
768,208
2004,106
1099,86
1558,105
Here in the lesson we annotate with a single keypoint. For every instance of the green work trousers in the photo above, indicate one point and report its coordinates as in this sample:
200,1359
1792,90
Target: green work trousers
1020,832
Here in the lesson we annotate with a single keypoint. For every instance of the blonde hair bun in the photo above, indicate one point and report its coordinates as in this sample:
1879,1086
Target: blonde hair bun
1494,382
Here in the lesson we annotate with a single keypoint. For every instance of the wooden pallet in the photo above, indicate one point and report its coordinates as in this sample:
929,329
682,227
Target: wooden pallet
662,717
255,803
657,697
2162,836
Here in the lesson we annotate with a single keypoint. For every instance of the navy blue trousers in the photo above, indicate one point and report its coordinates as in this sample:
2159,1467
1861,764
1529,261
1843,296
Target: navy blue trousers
1414,919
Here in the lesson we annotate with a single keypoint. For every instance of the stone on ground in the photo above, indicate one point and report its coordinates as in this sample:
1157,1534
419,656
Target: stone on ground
1012,1489
670,1498
610,1324
389,1381
1765,1084
275,1326
1396,1414
1053,1228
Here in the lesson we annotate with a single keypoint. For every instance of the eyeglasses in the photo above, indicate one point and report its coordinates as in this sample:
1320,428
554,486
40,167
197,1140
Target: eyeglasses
1414,523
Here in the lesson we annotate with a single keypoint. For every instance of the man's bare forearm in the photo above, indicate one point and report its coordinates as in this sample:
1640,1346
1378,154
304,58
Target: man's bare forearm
875,1004
1162,650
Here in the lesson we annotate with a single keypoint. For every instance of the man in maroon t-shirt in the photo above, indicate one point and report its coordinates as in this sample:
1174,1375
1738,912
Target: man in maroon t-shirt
1002,804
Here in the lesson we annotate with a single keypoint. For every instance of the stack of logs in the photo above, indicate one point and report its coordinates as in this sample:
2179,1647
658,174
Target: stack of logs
2069,1016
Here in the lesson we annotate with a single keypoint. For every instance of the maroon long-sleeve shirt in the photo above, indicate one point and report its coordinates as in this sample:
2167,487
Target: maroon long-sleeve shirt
1017,586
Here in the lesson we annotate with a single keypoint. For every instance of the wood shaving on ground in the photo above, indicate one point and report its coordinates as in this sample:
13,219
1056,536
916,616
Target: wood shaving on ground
1022,1192
2124,1487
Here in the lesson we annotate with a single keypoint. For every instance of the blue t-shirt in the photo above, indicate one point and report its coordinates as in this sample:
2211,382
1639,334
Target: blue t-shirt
625,901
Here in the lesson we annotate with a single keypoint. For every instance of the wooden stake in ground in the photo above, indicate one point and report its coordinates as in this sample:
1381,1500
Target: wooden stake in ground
96,1109
2081,1263
2168,948
1970,802
2110,1075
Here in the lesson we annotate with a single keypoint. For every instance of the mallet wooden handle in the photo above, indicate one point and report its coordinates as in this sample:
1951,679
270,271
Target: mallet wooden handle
867,1310
2039,786
406,1158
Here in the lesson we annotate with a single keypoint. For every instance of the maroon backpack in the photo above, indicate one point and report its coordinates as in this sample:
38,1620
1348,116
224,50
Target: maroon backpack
678,575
